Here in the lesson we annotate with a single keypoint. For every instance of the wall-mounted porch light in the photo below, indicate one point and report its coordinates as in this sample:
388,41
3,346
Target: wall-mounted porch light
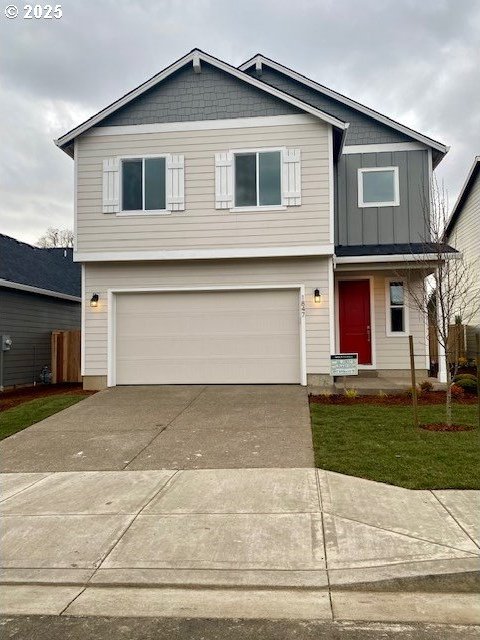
317,296
94,300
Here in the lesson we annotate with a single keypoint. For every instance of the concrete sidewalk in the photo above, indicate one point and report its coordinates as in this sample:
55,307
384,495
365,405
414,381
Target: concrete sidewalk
250,543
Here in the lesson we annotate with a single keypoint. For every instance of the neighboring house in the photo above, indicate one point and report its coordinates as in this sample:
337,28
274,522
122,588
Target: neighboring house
463,232
39,292
240,225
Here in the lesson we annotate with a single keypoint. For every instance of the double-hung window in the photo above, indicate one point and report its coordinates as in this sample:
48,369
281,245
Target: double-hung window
397,319
144,184
258,179
378,187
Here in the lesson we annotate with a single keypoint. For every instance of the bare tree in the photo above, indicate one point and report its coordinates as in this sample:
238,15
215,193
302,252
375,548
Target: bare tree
56,237
447,279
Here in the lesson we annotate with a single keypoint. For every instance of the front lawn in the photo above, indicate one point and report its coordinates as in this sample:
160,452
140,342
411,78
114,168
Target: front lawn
380,443
26,414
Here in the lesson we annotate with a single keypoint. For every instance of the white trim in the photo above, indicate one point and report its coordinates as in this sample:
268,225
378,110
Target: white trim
203,125
42,292
75,193
373,333
406,316
396,187
71,135
399,257
206,254
344,100
430,181
257,151
331,306
111,320
384,148
83,324
331,186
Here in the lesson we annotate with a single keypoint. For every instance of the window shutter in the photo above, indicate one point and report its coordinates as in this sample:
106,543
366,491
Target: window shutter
223,180
291,178
175,195
111,185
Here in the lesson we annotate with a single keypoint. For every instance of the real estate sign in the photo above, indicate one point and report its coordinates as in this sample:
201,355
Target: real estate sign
344,364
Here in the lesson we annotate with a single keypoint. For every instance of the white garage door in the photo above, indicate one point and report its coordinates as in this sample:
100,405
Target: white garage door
208,337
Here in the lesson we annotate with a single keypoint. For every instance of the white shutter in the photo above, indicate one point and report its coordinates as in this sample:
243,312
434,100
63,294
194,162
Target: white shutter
111,185
291,178
175,183
223,180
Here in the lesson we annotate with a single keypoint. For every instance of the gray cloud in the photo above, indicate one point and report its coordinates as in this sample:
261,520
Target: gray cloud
414,61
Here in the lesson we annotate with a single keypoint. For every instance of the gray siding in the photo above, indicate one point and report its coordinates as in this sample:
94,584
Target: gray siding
29,320
209,95
362,130
382,225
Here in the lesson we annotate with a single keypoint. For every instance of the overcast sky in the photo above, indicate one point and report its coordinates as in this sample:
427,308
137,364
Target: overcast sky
416,61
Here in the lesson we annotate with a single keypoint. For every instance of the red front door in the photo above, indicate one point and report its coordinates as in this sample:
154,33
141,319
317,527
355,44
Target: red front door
354,319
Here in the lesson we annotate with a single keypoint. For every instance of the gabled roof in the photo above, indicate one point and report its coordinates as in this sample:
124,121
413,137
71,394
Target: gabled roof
195,57
49,270
258,60
458,206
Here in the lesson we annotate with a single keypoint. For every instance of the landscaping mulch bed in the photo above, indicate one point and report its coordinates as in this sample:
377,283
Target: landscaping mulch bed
14,397
399,400
441,426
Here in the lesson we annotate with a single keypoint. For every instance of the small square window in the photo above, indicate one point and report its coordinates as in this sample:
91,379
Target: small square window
378,187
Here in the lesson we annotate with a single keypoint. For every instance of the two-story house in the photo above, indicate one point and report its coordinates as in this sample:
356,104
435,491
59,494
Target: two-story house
240,225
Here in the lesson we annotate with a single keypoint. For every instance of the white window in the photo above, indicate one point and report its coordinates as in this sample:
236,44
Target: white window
396,309
143,184
258,179
378,187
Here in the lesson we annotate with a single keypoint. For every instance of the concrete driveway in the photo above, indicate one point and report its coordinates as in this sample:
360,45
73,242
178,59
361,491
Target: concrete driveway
169,427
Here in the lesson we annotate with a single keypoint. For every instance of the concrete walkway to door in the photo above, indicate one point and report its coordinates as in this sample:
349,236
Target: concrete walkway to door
169,427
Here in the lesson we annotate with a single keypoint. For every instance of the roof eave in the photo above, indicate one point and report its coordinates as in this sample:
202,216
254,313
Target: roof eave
434,144
196,55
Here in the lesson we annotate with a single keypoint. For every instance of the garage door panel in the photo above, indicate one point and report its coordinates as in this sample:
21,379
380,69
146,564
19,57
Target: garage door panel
208,337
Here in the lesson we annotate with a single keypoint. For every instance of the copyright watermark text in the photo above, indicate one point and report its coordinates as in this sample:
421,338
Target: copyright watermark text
34,11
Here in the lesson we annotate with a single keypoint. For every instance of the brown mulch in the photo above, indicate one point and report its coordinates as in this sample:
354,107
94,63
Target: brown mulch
398,400
13,397
440,426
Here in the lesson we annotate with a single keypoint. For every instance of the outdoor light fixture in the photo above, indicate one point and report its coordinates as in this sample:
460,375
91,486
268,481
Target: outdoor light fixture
317,296
94,300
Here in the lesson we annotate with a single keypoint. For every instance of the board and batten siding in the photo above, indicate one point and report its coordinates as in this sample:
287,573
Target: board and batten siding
201,225
405,223
311,272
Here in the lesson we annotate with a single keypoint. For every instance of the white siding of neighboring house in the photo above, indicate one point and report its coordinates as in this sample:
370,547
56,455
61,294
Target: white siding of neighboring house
311,272
465,236
201,225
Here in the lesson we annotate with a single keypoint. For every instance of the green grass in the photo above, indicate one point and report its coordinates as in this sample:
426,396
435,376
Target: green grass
380,443
26,414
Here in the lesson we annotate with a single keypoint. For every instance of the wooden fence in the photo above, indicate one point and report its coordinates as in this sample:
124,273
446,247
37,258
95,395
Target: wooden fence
66,356
456,343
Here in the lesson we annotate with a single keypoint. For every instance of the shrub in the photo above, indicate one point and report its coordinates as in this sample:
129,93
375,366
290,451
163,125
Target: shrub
409,392
465,376
468,385
457,391
382,394
462,362
351,393
426,386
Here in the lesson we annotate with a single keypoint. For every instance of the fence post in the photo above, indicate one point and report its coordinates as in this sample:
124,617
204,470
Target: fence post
414,382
